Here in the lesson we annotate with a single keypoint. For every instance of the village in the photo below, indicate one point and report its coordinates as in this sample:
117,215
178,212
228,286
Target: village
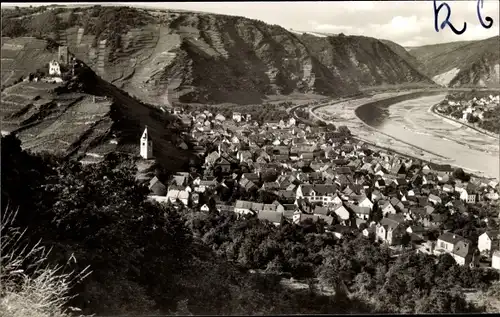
287,170
473,111
191,159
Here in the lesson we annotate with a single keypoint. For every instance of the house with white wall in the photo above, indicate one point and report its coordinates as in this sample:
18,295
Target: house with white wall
389,231
458,247
469,198
488,242
495,260
317,193
54,68
342,213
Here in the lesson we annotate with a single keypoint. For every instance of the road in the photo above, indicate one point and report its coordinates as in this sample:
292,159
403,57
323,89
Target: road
411,128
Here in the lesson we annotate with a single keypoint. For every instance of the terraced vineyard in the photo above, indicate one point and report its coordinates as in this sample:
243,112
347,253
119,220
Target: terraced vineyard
56,123
58,119
165,56
20,103
21,56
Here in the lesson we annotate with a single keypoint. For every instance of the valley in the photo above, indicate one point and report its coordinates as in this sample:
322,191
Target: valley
183,163
168,56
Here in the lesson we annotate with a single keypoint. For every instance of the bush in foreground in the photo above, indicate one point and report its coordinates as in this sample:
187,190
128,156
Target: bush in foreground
28,287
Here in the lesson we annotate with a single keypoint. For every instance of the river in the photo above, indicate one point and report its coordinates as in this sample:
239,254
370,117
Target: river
410,127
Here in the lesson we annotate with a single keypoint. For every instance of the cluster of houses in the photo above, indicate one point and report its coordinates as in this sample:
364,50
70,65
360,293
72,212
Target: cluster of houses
474,107
311,174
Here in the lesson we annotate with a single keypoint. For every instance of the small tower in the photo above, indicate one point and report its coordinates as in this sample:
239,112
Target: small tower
63,55
146,145
73,65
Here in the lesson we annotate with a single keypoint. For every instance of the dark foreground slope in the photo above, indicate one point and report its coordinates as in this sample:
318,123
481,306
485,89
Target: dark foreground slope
143,257
148,259
163,55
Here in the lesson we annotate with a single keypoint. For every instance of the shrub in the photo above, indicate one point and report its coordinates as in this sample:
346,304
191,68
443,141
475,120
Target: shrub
28,289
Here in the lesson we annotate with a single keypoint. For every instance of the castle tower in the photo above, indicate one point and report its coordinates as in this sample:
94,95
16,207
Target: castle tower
54,69
63,55
146,145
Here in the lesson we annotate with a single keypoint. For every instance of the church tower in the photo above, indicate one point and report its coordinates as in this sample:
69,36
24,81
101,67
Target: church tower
146,145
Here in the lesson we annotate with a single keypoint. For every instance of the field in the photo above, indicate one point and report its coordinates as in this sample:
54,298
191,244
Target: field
490,299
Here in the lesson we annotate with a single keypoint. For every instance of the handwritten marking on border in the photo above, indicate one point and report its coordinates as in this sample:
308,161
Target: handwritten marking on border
448,23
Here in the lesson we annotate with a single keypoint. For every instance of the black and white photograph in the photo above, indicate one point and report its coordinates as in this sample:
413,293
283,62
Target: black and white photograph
249,158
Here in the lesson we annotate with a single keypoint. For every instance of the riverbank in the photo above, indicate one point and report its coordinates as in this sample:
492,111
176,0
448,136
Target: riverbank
408,132
391,98
479,130
423,160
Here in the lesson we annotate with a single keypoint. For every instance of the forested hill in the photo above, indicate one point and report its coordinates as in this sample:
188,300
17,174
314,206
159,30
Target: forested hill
147,258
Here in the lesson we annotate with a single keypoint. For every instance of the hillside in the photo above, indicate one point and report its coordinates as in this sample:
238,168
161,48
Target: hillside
100,216
86,118
405,54
459,64
167,56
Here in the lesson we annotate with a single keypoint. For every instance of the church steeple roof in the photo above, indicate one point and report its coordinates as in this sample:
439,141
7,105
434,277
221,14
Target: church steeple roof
145,134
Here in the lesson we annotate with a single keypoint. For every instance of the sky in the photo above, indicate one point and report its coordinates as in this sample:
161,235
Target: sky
406,22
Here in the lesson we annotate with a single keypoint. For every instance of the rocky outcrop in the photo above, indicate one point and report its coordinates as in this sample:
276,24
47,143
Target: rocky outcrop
484,72
363,60
405,54
461,64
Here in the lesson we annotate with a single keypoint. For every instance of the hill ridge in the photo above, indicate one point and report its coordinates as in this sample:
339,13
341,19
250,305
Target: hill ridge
220,58
462,63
